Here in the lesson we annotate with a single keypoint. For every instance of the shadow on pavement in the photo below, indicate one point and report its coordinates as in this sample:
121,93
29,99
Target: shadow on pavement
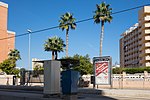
92,94
23,91
94,97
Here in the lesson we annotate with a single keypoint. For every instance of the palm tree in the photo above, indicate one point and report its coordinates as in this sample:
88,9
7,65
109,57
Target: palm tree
66,22
103,15
14,55
54,44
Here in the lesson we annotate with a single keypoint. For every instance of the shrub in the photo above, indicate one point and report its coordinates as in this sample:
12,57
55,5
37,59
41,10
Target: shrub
131,70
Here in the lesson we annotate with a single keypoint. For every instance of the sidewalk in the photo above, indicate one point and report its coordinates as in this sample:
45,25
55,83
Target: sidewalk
6,95
117,92
29,93
35,96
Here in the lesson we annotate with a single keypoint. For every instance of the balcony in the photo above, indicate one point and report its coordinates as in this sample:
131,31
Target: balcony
145,52
144,18
146,9
147,18
146,38
147,24
147,31
147,57
145,45
148,64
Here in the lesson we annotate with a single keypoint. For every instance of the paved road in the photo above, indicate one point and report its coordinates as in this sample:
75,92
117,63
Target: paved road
22,95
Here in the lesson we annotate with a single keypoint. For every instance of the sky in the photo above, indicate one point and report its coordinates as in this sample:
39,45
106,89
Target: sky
40,14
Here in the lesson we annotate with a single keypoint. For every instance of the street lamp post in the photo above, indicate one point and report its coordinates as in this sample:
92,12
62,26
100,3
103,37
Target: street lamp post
29,47
29,55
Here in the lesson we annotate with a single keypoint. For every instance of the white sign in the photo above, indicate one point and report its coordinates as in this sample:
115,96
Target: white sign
102,71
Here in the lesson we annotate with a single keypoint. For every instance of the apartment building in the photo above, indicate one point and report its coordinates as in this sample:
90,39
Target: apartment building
5,44
135,42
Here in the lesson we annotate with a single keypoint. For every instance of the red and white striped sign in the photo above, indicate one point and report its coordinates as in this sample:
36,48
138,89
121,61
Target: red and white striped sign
101,67
101,72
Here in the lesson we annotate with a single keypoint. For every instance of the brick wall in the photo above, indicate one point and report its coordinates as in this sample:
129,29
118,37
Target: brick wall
6,44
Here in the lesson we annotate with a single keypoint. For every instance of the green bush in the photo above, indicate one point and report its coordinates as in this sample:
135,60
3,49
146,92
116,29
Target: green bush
117,70
131,70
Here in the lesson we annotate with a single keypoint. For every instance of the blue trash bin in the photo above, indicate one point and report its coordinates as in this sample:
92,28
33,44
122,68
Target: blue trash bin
69,81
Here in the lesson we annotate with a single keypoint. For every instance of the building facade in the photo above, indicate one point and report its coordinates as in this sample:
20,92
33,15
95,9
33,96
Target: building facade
135,42
5,44
37,63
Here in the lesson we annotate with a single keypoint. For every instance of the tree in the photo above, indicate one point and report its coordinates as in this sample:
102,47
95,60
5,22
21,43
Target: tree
85,67
66,22
14,55
103,15
117,70
37,70
8,66
54,44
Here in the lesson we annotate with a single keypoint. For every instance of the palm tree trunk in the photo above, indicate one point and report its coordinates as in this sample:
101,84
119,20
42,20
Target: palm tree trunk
101,37
53,55
56,55
67,39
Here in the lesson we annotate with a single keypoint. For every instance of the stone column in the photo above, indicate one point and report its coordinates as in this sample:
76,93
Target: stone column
145,78
123,79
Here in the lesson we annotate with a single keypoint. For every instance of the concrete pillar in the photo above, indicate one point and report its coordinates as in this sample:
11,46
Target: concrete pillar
145,74
145,79
51,77
123,79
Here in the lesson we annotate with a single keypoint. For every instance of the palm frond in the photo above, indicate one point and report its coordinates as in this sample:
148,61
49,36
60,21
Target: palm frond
66,21
14,55
54,44
102,13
